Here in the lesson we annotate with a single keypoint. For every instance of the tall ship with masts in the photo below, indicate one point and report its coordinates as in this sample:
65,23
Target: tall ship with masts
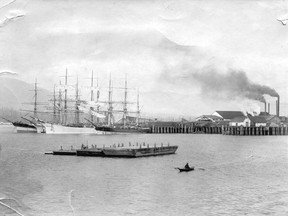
66,118
127,124
29,126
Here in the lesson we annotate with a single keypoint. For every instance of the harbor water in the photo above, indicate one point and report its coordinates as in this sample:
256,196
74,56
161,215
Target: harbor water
243,175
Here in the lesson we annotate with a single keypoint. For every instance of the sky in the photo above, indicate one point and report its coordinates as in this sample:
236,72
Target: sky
187,58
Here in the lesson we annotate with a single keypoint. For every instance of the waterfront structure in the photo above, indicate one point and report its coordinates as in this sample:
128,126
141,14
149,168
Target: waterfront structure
272,119
211,118
240,121
228,115
257,121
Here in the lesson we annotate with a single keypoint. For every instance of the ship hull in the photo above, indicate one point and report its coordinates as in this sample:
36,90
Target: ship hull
111,130
20,129
24,128
61,129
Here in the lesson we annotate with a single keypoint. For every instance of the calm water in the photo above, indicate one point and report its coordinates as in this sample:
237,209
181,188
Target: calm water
243,176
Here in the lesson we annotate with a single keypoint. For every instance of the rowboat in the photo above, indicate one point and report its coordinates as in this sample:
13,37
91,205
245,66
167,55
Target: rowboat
185,169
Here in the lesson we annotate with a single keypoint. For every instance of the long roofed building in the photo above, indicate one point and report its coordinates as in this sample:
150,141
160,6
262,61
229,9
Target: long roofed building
228,115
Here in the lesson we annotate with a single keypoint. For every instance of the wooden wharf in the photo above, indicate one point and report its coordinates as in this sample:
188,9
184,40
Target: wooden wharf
179,128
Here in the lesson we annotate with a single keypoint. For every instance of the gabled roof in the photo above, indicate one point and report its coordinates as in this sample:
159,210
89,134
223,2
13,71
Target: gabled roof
230,114
214,117
208,117
184,120
263,113
272,124
268,117
257,119
239,119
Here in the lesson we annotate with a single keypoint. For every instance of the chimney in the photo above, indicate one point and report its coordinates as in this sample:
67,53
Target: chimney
269,108
278,106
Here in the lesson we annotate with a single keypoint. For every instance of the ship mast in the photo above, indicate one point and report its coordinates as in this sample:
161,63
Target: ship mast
138,109
77,118
110,108
97,98
65,100
92,93
125,103
60,106
54,104
35,97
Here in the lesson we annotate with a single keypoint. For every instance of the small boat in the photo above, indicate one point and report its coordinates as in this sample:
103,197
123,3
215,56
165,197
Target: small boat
185,169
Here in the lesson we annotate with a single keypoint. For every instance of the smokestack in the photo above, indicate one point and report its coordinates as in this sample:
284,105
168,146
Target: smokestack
269,108
278,106
265,107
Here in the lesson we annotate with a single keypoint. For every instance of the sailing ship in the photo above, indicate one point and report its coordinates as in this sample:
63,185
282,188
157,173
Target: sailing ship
123,127
29,126
80,106
22,127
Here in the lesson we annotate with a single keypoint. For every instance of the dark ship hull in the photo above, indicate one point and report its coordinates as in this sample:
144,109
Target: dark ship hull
122,130
24,128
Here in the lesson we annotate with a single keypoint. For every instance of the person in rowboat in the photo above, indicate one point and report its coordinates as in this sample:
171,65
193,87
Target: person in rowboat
187,166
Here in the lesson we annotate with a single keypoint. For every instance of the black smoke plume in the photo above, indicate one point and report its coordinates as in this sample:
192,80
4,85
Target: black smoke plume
233,84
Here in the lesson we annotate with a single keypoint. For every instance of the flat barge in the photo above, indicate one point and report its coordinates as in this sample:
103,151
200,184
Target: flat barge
139,152
91,152
64,152
131,152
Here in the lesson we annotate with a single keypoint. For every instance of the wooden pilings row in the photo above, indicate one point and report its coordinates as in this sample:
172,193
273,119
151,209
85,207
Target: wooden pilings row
185,129
225,130
255,131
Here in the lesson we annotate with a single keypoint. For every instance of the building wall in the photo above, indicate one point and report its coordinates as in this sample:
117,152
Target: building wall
245,123
260,124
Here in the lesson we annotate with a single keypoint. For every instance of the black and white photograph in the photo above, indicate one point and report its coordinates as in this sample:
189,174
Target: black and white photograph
151,107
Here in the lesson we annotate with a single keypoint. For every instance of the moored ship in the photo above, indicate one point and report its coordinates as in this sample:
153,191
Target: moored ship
120,129
69,129
127,124
24,128
63,123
